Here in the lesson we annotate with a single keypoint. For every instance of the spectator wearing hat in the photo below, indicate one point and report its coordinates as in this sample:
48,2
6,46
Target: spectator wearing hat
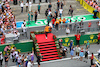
1,58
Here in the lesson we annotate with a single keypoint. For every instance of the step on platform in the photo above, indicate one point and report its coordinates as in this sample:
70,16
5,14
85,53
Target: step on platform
47,47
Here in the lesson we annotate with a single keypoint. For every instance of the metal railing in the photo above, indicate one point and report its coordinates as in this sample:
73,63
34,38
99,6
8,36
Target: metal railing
61,31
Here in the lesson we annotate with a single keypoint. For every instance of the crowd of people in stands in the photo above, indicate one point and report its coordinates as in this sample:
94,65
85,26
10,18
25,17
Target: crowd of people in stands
7,20
94,3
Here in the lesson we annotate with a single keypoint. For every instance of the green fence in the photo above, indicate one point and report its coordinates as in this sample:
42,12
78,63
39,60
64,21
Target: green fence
27,46
22,47
83,39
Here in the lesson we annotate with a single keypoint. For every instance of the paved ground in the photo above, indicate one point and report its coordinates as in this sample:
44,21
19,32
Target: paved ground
78,9
65,62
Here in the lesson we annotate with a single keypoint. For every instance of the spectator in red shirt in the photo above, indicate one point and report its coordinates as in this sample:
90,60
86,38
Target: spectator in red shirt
89,25
77,38
53,22
92,57
98,38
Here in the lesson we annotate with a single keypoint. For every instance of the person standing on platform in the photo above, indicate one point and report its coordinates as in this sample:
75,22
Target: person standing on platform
27,6
46,13
60,12
39,8
77,39
50,6
56,13
46,30
53,22
62,5
58,5
30,5
70,12
35,16
48,19
57,24
70,24
98,38
28,18
31,15
21,5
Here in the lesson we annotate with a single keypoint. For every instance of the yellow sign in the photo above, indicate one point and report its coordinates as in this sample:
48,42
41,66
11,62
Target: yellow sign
91,41
19,50
66,39
67,44
91,36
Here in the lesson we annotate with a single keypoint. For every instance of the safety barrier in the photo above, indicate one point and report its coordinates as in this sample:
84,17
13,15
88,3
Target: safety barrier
92,38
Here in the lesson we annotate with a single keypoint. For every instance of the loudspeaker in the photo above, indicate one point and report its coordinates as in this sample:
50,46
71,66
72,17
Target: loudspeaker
15,2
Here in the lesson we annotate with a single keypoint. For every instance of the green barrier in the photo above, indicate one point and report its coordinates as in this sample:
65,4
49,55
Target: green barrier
83,39
21,47
27,46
